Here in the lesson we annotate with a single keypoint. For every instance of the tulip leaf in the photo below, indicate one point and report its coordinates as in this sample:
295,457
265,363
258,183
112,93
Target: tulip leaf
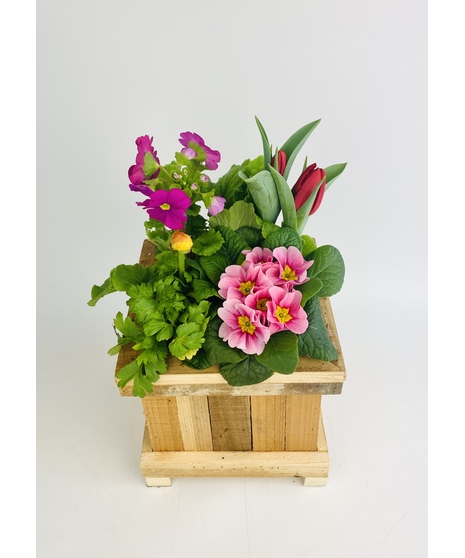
263,191
304,211
295,143
266,144
333,172
286,199
280,353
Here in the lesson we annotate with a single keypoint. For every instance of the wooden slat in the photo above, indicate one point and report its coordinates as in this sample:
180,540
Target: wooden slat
194,420
162,418
303,414
268,422
230,423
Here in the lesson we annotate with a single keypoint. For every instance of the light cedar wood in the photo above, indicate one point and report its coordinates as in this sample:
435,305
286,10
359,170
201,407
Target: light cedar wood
268,422
303,414
230,423
163,424
194,420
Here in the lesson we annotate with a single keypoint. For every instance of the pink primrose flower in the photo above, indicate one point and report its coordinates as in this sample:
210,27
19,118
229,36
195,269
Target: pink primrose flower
258,301
213,157
167,206
216,205
135,173
285,311
242,328
292,268
259,256
237,282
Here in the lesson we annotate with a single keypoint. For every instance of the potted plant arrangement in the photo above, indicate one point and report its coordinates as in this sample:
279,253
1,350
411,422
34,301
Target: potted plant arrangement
228,286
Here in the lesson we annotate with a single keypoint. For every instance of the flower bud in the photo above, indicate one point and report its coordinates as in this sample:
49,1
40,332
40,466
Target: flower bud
181,242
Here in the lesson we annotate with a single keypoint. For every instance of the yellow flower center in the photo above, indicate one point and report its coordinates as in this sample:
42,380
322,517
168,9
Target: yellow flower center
246,287
246,325
261,304
165,206
282,314
289,274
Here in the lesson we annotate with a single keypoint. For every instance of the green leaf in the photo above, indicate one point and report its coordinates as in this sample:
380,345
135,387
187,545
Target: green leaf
268,228
263,191
309,289
195,226
315,342
188,338
123,276
280,354
304,211
233,243
127,373
253,237
208,243
308,245
199,361
241,214
150,164
328,266
203,289
99,292
295,143
231,186
127,326
214,266
283,236
286,199
245,373
154,323
332,172
217,350
266,144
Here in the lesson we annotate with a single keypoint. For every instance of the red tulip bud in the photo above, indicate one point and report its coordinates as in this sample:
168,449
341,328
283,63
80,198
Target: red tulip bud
282,160
306,184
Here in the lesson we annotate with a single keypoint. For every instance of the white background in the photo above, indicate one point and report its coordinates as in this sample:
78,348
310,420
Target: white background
111,71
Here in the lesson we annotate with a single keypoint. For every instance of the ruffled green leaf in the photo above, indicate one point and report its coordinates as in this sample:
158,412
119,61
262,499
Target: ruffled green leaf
99,292
208,243
241,214
283,236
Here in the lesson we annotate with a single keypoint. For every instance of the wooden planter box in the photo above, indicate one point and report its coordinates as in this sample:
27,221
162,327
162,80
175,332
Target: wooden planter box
197,425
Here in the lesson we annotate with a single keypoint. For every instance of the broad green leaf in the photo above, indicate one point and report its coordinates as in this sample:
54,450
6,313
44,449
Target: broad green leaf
266,144
315,342
268,228
214,266
199,361
304,211
208,243
217,350
286,199
295,143
99,292
240,214
283,236
195,226
332,172
308,245
263,191
233,243
328,266
246,372
280,354
123,276
309,289
203,289
253,237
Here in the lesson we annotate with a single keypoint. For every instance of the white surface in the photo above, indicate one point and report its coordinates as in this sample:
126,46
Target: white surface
110,71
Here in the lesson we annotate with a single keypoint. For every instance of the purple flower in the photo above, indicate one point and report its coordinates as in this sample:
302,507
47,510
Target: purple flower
217,205
213,157
136,173
167,206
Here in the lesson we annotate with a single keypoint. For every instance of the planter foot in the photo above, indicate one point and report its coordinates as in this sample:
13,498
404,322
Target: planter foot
158,481
315,481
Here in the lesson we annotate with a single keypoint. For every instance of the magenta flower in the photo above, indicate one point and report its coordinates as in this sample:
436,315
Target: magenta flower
292,268
167,206
135,173
259,256
216,205
285,311
242,328
237,282
213,157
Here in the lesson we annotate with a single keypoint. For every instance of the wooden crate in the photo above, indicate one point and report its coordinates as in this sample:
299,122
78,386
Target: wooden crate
197,425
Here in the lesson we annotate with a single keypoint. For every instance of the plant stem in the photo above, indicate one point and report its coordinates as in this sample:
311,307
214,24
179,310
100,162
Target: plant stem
181,266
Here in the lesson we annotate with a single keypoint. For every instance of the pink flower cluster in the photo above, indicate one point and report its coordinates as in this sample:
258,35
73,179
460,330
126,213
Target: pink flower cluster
261,299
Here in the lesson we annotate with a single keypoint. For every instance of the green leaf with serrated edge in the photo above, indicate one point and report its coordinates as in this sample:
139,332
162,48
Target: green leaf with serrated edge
142,385
99,292
199,361
240,214
127,373
284,236
253,237
332,172
203,290
217,350
309,289
208,243
150,164
262,188
188,338
286,199
328,266
195,226
266,144
154,357
154,323
214,266
295,143
315,342
247,372
127,326
280,354
308,245
123,276
268,228
303,212
233,243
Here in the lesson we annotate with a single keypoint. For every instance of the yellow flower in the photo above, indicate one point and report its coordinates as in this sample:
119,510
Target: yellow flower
181,242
